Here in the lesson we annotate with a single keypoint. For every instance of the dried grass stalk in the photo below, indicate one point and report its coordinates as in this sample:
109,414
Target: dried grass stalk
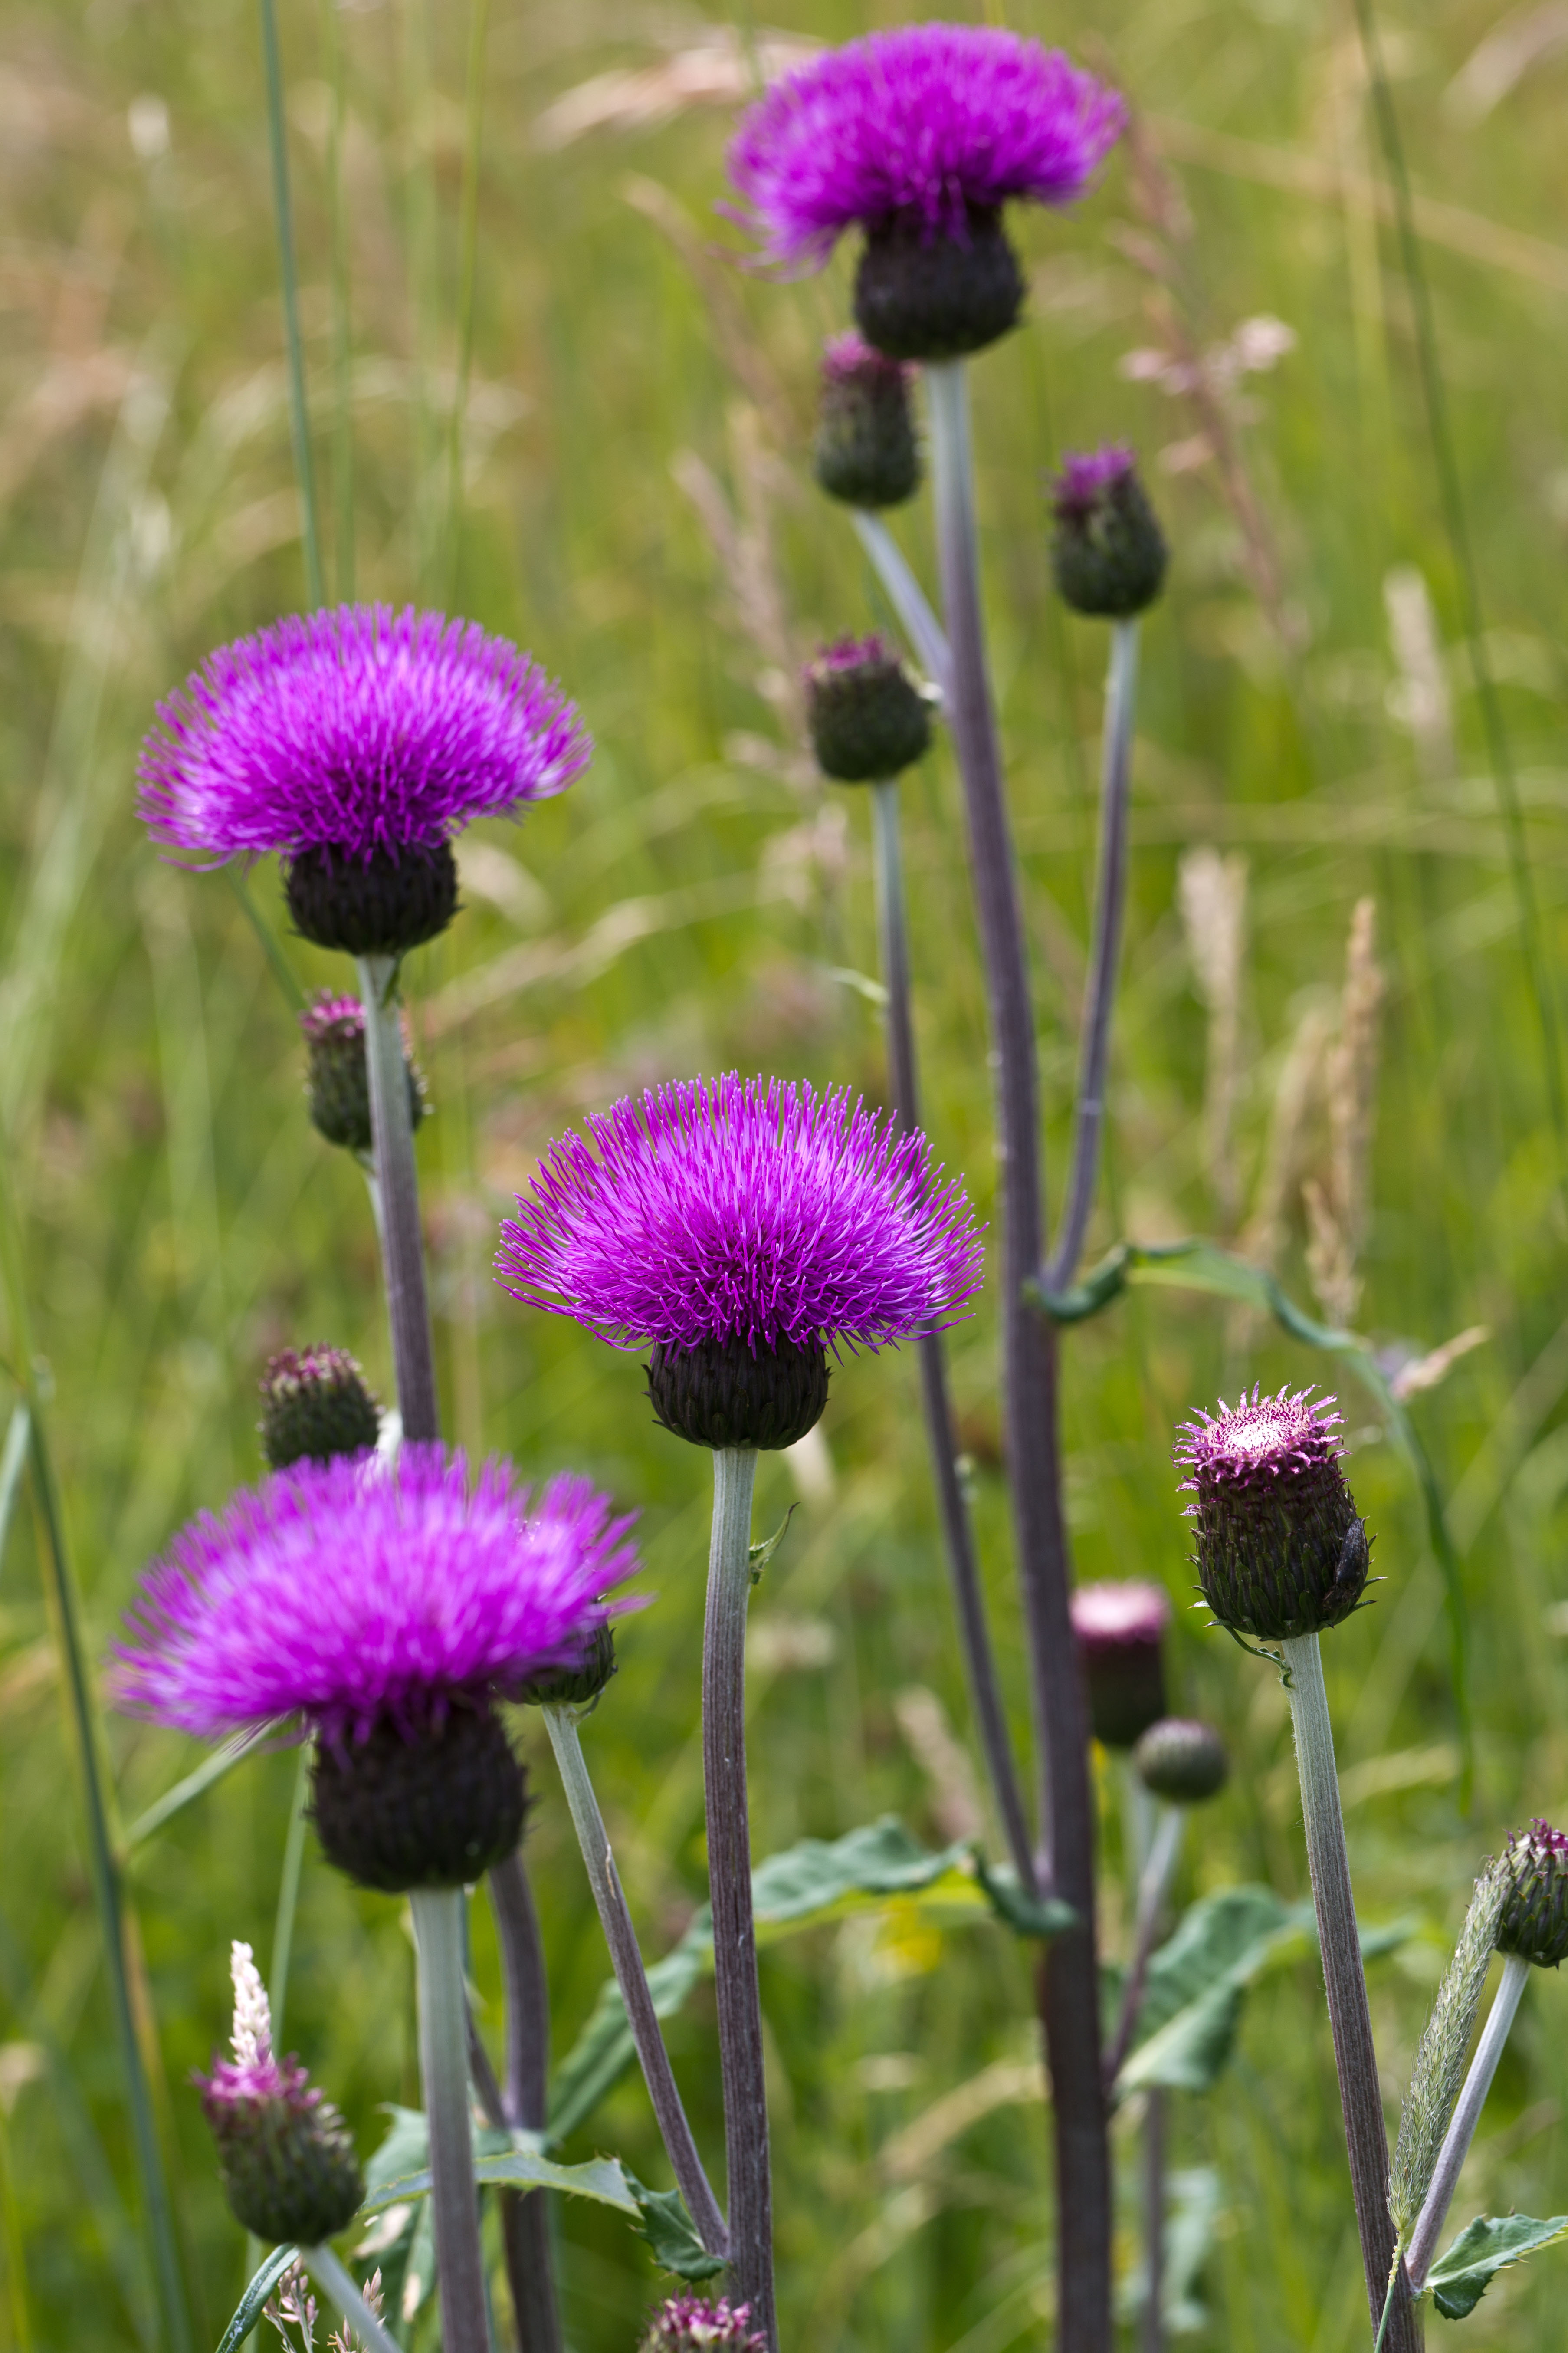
1211,894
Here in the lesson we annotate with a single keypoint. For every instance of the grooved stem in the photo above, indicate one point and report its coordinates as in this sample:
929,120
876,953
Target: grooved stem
1069,1979
403,1246
1466,2118
335,2278
525,2213
444,2068
963,1569
625,1957
729,1888
1345,1981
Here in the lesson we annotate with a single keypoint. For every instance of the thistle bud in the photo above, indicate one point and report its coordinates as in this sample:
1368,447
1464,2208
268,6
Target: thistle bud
288,2161
315,1404
722,1393
337,1079
578,1683
690,2324
428,1803
1120,1625
1534,1922
865,451
1182,1761
1108,553
868,718
1280,1548
919,297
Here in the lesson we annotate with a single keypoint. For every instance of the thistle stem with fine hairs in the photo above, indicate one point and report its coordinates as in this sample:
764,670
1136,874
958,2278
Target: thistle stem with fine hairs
1345,1981
626,1955
525,2214
906,596
333,2277
1466,2118
749,2194
1069,1987
985,1696
1120,697
403,1246
444,2067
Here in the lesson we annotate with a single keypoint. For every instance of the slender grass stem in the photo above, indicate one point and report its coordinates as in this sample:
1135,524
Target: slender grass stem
289,1896
334,2278
1345,1981
1153,1886
403,1245
343,320
963,1567
282,970
625,1957
729,1888
1068,1978
1111,898
1152,2169
444,2066
1466,2118
283,212
467,274
906,596
13,1465
525,2214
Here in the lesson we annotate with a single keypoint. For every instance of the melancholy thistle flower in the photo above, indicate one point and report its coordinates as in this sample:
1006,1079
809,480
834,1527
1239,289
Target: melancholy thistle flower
337,1076
1120,1625
865,451
355,743
1182,1761
919,137
1108,553
315,1404
1280,1548
743,1227
690,2324
388,1607
868,718
1534,1921
290,2171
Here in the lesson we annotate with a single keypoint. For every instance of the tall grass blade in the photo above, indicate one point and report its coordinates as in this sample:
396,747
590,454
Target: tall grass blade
283,209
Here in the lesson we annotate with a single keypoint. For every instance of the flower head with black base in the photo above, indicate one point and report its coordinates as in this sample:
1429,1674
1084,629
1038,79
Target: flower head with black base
337,1077
290,2171
355,743
919,136
1119,1626
1108,553
743,1227
315,1404
1280,1548
387,1606
1182,1761
868,718
690,2324
1534,1922
865,451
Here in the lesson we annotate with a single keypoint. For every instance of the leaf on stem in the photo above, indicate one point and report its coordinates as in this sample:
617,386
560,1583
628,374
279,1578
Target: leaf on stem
669,2231
250,2304
758,1555
1492,2243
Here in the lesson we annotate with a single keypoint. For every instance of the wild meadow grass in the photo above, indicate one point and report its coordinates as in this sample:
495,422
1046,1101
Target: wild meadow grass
541,395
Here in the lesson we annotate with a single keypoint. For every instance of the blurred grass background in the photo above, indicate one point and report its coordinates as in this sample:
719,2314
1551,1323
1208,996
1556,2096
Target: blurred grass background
607,460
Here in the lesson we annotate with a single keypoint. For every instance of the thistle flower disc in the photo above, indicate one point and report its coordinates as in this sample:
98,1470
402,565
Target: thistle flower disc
1534,1922
1281,1550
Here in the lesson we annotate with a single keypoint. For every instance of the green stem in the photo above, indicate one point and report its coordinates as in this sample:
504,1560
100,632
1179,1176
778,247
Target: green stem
13,1462
330,2274
444,2067
402,1243
343,332
289,1896
908,598
468,216
299,414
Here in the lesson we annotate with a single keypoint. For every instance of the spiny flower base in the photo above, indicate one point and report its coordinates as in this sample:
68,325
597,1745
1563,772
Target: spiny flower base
383,905
720,1394
315,1405
433,1807
1109,554
1534,1922
924,296
1281,1550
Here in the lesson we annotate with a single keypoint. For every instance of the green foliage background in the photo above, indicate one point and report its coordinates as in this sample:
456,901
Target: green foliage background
696,902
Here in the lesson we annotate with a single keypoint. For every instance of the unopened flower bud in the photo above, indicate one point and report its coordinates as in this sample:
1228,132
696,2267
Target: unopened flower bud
1108,553
868,718
723,1393
290,2171
1182,1761
315,1404
865,451
1280,1548
578,1683
1120,1625
337,1080
1534,1922
690,2324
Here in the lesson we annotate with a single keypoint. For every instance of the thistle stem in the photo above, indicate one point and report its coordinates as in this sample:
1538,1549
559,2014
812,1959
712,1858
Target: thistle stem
1069,1988
525,2214
288,1896
403,1248
729,1888
626,1957
444,2066
1345,1981
335,2280
963,1569
1466,2118
1153,1886
1111,898
908,598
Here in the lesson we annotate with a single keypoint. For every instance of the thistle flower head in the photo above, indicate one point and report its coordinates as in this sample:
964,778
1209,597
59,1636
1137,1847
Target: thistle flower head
353,1593
865,451
1280,1548
868,718
1534,1920
1108,553
315,1404
1118,1626
690,2324
288,2167
337,1076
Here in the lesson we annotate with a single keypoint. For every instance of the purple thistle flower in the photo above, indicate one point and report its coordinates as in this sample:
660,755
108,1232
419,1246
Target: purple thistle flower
354,1594
690,2324
354,730
1118,1625
289,2171
932,123
1281,1550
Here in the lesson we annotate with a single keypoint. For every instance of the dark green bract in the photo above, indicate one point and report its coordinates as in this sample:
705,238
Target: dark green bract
1534,1922
868,720
920,296
315,1405
722,1394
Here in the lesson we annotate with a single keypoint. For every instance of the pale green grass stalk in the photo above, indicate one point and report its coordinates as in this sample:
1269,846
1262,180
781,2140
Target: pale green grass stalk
343,313
330,2274
1467,2116
467,278
1438,2070
298,408
289,1896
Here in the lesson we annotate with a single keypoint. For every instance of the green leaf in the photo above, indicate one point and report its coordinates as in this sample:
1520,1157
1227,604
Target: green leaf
1492,2243
520,2169
758,1555
1026,1916
605,2050
261,2286
670,2232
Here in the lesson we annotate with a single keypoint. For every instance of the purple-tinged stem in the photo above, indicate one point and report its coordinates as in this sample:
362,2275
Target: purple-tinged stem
525,2213
444,2070
963,1569
1111,899
1360,2097
1069,1975
403,1246
1466,2118
749,2192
